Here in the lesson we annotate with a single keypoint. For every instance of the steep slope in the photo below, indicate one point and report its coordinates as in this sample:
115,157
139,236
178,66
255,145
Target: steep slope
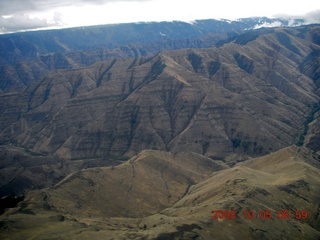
17,76
154,187
26,57
312,138
145,184
279,181
254,94
229,102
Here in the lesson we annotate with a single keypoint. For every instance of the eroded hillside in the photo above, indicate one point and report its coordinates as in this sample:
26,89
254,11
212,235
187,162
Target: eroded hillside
148,147
248,97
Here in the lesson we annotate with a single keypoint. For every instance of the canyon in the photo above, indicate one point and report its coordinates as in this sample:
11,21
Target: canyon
144,140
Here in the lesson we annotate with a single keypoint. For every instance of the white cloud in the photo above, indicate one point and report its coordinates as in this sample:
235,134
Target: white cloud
313,17
266,24
8,7
21,22
30,14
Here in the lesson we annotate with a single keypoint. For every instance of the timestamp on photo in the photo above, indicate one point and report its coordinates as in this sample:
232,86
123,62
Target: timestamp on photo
265,214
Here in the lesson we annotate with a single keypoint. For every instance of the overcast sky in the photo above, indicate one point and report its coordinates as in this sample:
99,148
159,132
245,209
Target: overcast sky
19,15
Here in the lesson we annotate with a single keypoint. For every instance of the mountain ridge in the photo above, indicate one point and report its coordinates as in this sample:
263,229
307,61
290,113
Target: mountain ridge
278,181
150,146
31,55
164,99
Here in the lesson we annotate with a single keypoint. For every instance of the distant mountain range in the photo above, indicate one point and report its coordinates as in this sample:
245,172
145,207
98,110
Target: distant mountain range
83,46
18,46
190,99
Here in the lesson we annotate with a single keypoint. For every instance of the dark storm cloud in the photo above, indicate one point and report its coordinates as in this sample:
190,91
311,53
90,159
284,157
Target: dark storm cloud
15,14
12,7
22,22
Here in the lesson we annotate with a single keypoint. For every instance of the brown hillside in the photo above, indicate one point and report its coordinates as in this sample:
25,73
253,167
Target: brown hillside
144,185
109,147
247,97
155,187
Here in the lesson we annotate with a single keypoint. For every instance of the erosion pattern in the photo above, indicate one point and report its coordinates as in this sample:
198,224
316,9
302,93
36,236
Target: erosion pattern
146,147
25,57
250,96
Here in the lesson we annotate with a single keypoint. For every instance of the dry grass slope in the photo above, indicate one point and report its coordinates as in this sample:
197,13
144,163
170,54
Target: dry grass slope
229,102
158,195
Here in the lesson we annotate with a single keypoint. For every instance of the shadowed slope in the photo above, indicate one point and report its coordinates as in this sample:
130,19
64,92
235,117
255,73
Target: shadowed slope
144,185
